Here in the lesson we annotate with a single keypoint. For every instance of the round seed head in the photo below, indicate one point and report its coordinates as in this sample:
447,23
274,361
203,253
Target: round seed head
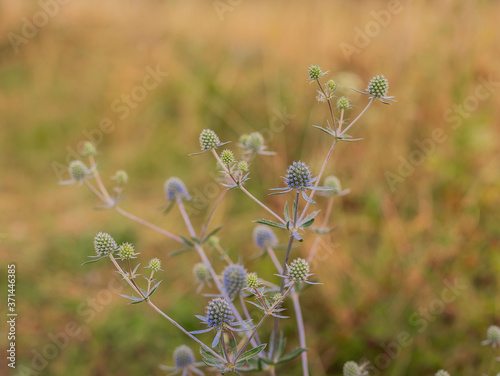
78,170
243,140
333,183
175,188
264,237
218,313
126,251
252,281
121,177
104,244
298,176
201,272
227,157
243,166
234,278
88,149
343,103
208,139
183,357
442,373
255,141
378,87
352,369
315,72
298,270
493,335
154,264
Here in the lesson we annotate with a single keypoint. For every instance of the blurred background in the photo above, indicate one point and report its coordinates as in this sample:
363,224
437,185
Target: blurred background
142,78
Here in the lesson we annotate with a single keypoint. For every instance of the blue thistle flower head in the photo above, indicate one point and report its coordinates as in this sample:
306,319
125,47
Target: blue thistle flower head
234,279
175,188
218,313
298,176
264,237
183,356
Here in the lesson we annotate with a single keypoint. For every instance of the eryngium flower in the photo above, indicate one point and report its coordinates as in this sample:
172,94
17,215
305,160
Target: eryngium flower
175,189
208,140
88,149
298,271
121,177
78,170
298,176
315,72
126,251
442,373
184,363
353,369
201,272
243,166
104,244
154,264
252,281
218,313
234,278
378,87
493,336
264,237
183,356
343,103
255,142
227,157
219,317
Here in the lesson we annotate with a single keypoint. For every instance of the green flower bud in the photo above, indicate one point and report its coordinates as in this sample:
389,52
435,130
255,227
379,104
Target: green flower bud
227,157
331,85
78,170
343,103
378,87
243,140
493,335
208,140
201,272
88,149
315,72
120,177
442,373
255,142
333,183
352,369
277,296
154,264
213,241
243,166
126,251
252,281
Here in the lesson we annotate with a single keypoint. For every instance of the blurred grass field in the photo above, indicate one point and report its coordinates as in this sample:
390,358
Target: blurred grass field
393,252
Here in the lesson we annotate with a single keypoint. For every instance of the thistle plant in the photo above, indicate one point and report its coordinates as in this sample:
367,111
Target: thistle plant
246,309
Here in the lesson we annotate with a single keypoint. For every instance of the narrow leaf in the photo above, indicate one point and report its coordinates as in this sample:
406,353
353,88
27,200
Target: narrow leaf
252,353
292,354
269,223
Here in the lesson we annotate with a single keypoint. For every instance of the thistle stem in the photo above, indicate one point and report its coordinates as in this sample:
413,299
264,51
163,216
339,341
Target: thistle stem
247,316
270,211
138,291
329,105
212,212
358,117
